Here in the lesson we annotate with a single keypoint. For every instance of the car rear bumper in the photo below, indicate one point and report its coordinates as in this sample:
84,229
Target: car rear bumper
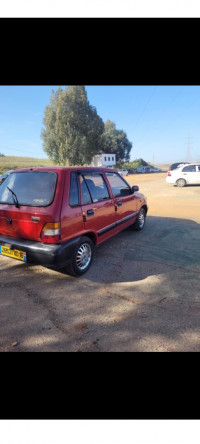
55,255
170,179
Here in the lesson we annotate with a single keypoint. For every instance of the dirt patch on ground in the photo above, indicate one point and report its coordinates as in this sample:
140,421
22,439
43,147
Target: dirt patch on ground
141,293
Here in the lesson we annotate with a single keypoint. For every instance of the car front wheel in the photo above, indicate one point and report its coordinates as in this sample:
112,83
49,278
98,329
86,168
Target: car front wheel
140,221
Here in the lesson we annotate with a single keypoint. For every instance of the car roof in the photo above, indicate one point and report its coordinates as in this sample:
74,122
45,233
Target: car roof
177,163
188,164
193,163
180,163
62,168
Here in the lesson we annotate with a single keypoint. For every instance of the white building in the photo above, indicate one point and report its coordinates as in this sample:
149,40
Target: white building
104,160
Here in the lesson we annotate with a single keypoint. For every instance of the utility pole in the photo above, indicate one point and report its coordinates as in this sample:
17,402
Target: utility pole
188,150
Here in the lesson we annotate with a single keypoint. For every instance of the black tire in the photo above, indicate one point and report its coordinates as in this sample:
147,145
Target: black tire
180,182
82,257
140,221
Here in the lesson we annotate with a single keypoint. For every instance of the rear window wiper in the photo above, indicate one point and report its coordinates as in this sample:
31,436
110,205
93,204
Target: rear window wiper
14,196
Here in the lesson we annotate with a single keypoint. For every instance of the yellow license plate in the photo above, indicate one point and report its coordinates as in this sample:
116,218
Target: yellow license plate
15,254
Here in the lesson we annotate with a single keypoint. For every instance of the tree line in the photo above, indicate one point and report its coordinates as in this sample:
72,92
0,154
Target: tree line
73,131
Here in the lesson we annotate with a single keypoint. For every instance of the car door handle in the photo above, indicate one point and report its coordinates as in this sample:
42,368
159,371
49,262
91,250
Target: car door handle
90,212
119,203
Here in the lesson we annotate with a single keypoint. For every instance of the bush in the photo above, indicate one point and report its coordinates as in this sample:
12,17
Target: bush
133,164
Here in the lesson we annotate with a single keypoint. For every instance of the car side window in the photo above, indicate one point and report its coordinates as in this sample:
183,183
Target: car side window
189,168
74,192
85,194
119,186
96,186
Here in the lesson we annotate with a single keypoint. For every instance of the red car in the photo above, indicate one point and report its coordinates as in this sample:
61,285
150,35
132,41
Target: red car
55,216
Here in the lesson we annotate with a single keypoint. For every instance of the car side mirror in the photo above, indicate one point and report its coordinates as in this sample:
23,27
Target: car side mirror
135,188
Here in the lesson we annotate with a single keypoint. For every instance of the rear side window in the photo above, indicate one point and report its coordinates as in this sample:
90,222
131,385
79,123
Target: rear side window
31,188
85,194
74,193
189,168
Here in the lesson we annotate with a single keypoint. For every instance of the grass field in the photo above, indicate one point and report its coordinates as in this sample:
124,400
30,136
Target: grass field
13,162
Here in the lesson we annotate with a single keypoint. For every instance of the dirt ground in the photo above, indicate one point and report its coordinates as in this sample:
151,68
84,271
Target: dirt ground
141,293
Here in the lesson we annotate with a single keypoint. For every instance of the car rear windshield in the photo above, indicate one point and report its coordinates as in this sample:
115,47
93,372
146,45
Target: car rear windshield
31,188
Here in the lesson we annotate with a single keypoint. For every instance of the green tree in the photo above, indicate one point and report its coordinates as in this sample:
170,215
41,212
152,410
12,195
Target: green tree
73,129
116,142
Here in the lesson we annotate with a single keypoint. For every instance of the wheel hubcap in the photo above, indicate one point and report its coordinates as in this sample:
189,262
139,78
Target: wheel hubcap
141,219
83,256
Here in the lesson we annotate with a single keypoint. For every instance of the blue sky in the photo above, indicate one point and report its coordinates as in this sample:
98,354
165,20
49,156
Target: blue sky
162,122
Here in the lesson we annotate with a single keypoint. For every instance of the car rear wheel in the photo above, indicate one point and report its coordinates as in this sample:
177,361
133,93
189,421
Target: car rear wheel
180,182
82,257
140,221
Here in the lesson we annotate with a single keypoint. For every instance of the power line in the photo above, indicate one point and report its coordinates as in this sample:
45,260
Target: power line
145,107
162,113
169,105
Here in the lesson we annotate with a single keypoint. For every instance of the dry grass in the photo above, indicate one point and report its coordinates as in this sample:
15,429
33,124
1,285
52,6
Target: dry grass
13,162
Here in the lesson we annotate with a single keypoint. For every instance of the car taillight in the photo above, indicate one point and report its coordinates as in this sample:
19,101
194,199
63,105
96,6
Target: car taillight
169,174
51,233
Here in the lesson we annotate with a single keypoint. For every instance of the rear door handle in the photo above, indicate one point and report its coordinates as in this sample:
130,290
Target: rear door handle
90,212
119,203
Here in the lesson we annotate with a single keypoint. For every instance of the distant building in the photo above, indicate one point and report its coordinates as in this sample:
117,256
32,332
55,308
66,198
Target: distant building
103,160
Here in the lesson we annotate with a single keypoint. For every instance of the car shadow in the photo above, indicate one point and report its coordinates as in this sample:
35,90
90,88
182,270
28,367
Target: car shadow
132,256
192,185
140,294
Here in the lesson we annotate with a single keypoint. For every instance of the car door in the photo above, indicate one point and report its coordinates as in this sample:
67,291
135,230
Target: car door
190,174
124,200
198,173
98,208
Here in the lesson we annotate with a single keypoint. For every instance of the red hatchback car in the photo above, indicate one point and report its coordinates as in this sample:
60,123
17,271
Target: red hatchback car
55,216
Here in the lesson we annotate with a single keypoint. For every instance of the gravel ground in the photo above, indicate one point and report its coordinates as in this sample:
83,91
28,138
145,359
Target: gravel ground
141,293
